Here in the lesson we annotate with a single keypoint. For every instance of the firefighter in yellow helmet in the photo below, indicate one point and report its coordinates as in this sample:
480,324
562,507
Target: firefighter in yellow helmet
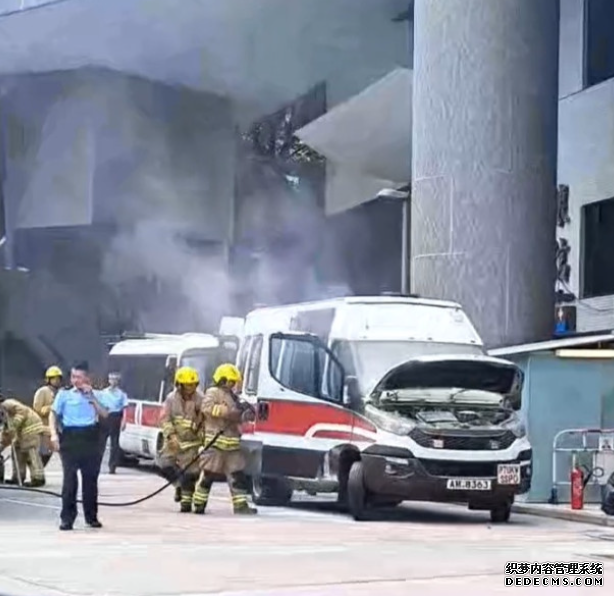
43,400
224,412
23,429
183,431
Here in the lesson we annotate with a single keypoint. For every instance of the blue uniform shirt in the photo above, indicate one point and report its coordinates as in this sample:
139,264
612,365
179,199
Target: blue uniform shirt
73,408
114,399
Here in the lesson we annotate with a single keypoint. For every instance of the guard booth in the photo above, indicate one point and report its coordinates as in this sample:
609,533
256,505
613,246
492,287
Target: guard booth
568,395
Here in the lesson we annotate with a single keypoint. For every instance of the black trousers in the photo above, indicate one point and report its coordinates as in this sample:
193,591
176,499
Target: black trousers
80,452
110,428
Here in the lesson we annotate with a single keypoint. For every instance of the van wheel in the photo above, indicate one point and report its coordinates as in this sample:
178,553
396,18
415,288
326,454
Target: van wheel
357,496
272,492
500,514
126,461
389,503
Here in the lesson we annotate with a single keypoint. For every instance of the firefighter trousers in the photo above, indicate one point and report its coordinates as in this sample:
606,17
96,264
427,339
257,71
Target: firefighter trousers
237,484
28,459
186,491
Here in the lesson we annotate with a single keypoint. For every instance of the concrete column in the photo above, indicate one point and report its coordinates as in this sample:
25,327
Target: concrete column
484,161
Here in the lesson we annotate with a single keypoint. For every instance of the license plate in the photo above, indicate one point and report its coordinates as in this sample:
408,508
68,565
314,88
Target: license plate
508,474
468,484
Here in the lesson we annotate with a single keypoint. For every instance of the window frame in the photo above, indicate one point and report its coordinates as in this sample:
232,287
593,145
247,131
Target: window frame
588,264
587,81
242,355
252,365
320,370
136,376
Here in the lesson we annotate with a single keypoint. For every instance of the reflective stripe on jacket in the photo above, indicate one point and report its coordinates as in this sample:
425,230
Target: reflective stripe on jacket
181,420
24,425
43,400
223,414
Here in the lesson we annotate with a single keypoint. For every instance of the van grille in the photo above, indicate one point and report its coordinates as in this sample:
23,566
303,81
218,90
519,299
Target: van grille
488,442
456,468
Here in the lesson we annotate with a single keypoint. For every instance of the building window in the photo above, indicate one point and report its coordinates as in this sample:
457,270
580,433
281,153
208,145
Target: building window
599,41
598,257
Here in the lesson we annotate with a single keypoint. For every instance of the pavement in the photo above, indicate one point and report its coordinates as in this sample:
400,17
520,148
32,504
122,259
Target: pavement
307,549
590,514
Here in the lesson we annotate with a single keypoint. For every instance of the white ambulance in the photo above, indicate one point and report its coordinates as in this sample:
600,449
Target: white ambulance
147,366
381,400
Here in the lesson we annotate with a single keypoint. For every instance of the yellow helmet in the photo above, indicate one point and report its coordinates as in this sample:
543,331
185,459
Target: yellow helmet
186,375
53,371
227,371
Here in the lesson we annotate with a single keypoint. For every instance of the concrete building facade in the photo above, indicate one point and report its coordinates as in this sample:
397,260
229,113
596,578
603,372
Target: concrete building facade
458,97
481,87
484,161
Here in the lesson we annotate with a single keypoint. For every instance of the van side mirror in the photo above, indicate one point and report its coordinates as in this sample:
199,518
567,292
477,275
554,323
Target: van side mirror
351,393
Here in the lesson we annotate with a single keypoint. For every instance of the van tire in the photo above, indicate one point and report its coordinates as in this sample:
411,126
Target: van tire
500,514
271,492
127,461
357,495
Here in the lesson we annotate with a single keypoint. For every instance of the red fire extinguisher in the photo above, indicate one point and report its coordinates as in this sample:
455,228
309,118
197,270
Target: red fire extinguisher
577,487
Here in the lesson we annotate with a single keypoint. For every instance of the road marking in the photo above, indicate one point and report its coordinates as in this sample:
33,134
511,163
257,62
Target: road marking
30,503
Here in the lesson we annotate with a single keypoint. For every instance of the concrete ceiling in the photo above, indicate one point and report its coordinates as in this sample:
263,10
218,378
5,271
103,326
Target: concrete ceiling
371,132
259,53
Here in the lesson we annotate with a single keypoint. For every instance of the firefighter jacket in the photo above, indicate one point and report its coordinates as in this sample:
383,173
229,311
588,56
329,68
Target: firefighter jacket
223,413
23,425
182,428
43,400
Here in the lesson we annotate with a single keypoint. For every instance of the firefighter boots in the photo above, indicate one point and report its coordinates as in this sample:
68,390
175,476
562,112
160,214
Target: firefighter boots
185,507
244,510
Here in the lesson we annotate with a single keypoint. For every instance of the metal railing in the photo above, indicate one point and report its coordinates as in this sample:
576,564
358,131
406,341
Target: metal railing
580,447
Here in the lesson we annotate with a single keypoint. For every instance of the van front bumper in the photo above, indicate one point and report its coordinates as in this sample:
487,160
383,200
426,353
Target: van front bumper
395,474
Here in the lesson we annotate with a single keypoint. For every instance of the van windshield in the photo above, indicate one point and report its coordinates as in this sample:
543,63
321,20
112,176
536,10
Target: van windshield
373,359
205,361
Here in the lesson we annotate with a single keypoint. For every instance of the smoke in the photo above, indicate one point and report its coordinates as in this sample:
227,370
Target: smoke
166,285
169,266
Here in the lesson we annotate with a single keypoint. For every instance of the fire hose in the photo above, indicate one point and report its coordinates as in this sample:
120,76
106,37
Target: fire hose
589,473
179,473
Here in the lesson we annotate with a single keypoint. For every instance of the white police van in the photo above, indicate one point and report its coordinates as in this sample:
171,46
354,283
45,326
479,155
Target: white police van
147,366
381,400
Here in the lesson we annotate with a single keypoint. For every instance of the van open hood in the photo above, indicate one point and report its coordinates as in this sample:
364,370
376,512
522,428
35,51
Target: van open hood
481,373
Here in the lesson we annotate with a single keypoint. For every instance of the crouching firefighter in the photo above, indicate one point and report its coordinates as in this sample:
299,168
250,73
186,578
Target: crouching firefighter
223,413
183,433
23,430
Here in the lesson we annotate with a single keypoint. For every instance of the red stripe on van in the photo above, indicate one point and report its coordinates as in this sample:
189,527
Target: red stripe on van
296,418
247,428
150,415
131,414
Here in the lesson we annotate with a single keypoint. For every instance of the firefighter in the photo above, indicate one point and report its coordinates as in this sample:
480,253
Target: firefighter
23,429
223,411
183,432
167,466
43,400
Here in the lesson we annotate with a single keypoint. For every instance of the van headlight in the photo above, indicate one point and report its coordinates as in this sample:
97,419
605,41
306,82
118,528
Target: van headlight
397,427
516,426
519,429
389,422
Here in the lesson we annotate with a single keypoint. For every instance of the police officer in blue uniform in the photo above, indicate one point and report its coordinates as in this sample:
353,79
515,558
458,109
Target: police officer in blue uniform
75,433
115,401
